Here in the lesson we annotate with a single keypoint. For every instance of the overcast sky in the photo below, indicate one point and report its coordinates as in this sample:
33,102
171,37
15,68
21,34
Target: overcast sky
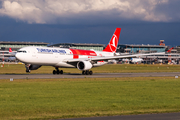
90,21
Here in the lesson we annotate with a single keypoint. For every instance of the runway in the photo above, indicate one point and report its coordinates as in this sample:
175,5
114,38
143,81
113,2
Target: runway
163,116
96,75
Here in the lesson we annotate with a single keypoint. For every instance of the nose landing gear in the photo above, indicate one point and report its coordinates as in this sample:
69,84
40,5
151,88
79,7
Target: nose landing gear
27,68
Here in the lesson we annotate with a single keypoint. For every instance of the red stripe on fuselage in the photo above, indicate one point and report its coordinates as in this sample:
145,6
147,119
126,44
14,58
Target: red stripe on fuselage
77,52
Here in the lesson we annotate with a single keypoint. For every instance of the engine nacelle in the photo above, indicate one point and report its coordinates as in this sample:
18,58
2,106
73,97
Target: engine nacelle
84,65
34,67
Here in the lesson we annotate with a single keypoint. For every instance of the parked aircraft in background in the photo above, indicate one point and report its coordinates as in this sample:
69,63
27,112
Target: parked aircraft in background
10,59
169,51
12,52
136,60
84,60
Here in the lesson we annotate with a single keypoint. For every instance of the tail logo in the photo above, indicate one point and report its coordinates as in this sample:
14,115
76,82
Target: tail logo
113,43
111,47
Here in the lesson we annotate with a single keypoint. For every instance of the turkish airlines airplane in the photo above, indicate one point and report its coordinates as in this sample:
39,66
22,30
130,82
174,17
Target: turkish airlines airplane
34,57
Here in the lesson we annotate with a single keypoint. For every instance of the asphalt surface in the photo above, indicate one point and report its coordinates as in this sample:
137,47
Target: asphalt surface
97,75
164,116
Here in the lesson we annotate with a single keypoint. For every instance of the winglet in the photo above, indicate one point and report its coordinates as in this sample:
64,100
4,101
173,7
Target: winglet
111,47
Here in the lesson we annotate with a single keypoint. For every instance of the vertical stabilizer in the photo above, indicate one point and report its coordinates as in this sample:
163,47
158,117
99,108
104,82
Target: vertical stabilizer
112,46
10,50
169,51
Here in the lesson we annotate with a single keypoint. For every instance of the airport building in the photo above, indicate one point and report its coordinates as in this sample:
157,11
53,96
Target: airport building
125,48
172,57
5,45
122,48
176,50
84,46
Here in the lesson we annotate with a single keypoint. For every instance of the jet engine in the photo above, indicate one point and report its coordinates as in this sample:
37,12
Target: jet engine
84,65
34,67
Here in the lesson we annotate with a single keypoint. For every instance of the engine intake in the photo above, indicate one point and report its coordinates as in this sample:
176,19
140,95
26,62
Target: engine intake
84,65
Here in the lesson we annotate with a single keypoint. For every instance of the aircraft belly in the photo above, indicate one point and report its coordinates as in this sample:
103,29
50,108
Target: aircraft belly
65,65
54,60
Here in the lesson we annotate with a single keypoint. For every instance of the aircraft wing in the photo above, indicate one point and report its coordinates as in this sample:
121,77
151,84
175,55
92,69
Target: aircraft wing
103,58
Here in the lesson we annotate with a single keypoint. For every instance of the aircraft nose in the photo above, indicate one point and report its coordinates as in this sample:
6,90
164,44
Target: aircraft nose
17,56
21,57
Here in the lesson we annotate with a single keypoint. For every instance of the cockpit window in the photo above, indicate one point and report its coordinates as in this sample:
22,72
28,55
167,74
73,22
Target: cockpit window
21,51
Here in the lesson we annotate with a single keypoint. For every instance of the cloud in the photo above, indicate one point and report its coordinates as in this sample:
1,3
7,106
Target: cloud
62,11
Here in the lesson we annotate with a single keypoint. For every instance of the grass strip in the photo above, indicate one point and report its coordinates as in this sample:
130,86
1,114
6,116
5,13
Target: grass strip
109,68
67,98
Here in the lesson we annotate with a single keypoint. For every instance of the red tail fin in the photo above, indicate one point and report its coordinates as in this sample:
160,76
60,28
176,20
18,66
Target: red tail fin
111,47
170,49
10,50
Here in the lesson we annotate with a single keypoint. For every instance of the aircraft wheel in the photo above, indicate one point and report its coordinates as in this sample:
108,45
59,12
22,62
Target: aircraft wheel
83,72
61,72
28,71
87,72
90,72
54,72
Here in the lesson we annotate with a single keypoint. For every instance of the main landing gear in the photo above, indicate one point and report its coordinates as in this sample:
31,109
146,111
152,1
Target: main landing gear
87,72
57,71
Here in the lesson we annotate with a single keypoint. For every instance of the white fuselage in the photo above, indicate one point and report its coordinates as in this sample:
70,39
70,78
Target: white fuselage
55,56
